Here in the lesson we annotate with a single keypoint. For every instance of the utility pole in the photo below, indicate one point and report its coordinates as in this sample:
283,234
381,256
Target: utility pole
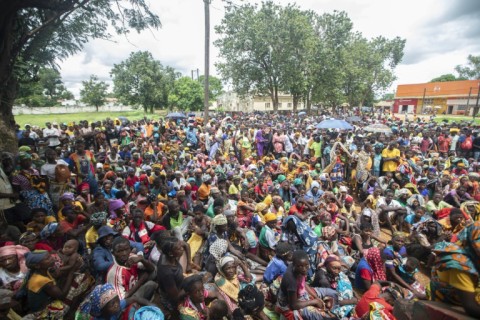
423,99
467,109
207,58
475,110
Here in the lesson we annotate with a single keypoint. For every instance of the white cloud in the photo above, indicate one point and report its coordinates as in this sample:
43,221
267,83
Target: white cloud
440,34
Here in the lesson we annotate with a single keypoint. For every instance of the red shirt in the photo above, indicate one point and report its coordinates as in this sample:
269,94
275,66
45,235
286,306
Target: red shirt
130,181
370,296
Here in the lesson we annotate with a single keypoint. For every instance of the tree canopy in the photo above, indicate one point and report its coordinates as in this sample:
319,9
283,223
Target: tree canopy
447,77
45,91
143,81
187,95
37,33
94,92
471,70
267,49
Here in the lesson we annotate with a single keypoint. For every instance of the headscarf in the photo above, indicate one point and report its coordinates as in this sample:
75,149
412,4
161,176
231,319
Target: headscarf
34,258
98,298
218,248
219,220
67,196
115,205
331,258
149,313
48,230
260,207
223,261
98,218
375,261
328,232
17,250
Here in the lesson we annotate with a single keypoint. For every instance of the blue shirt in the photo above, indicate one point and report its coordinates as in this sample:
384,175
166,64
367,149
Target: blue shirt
275,268
410,217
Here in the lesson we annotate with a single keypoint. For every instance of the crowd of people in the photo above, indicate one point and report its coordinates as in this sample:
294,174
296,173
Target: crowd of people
244,216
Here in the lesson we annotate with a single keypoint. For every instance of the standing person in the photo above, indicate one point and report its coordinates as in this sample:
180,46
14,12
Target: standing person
84,165
391,158
51,134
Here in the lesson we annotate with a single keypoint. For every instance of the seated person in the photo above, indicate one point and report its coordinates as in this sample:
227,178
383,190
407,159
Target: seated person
126,275
296,298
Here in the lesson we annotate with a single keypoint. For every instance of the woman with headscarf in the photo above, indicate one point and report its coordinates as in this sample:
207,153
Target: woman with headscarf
44,296
330,275
456,271
53,236
31,186
103,303
229,281
97,220
117,214
12,267
370,269
218,244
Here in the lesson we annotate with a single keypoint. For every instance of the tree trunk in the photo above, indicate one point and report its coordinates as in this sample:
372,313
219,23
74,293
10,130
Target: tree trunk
308,102
96,107
8,139
296,98
275,99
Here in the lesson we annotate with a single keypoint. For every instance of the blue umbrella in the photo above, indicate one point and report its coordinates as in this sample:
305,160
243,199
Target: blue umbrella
302,113
176,115
334,124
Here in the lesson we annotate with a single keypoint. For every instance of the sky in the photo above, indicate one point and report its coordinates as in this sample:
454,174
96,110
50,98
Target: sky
440,34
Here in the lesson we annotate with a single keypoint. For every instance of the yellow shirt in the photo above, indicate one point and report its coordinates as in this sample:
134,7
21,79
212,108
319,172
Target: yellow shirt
91,237
390,166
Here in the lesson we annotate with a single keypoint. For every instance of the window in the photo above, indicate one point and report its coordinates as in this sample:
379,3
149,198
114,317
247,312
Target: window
267,105
461,108
428,101
289,105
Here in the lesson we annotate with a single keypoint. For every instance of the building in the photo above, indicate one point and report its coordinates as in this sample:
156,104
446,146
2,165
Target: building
452,97
231,101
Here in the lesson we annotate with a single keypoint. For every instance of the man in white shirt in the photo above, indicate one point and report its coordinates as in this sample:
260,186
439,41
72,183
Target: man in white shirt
48,169
51,134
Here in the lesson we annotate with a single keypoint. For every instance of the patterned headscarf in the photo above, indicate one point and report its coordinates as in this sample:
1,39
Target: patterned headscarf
98,298
67,196
48,230
375,261
98,218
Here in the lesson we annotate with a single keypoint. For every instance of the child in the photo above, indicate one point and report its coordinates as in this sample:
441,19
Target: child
278,265
416,217
69,255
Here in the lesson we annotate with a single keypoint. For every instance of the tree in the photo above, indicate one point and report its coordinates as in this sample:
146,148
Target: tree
215,87
187,95
370,68
250,48
143,81
45,91
471,70
447,77
37,33
94,92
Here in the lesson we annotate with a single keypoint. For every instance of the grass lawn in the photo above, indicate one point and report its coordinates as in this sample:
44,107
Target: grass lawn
451,119
40,119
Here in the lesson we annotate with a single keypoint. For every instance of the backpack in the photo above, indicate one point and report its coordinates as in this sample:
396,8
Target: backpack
467,144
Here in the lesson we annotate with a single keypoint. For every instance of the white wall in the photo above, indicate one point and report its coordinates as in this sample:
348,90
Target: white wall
17,110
